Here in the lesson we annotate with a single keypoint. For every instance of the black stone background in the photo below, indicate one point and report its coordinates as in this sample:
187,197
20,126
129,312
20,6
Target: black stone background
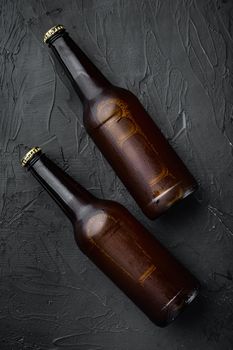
176,56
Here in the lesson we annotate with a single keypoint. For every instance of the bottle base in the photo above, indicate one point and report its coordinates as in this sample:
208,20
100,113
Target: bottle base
177,305
167,199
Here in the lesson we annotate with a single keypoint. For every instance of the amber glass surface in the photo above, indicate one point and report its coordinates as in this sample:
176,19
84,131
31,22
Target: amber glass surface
126,135
120,246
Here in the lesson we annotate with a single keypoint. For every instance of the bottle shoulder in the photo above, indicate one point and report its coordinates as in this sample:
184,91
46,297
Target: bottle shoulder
99,207
98,219
113,102
113,94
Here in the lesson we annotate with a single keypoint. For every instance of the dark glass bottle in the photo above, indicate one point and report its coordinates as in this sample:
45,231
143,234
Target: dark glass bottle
126,135
119,245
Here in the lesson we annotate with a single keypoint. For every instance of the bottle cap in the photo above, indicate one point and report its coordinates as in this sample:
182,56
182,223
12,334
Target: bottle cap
52,31
29,155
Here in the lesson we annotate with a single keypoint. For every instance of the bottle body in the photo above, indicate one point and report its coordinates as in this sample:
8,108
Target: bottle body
141,156
125,134
120,246
136,262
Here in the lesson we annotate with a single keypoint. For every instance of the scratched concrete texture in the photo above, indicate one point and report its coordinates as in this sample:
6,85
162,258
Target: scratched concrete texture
177,57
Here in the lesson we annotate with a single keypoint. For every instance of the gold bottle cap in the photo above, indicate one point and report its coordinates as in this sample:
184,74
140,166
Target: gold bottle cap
53,31
29,155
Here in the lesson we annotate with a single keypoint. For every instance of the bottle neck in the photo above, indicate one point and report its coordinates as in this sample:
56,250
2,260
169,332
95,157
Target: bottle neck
73,199
88,80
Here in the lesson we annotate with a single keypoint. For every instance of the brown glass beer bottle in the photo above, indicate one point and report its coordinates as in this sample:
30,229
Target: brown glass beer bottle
118,244
126,135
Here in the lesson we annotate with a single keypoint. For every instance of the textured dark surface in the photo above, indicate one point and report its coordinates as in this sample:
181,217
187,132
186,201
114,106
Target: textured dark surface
176,56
